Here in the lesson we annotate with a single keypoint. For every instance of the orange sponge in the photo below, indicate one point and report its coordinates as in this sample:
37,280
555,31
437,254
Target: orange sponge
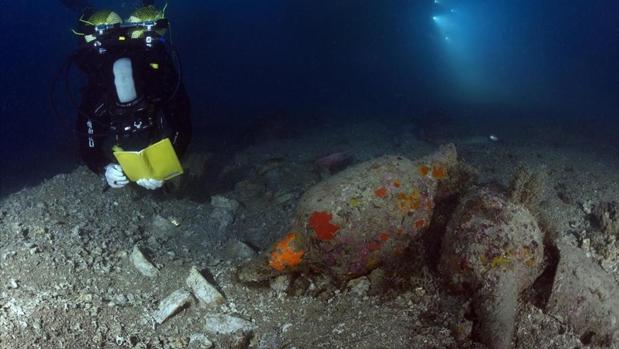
284,255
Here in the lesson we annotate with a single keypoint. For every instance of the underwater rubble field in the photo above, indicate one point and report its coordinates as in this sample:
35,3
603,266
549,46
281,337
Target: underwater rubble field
84,268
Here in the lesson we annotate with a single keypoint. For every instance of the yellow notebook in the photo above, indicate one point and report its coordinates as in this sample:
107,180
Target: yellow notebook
157,161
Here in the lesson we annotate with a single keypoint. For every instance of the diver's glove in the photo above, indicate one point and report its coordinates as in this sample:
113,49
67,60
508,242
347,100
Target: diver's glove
149,183
114,176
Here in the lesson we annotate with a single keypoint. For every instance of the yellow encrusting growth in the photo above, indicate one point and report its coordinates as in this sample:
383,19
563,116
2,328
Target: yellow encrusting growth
408,202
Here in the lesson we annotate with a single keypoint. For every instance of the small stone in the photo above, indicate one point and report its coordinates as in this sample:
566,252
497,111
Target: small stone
607,217
269,341
225,203
8,255
120,340
12,284
219,220
142,264
227,324
206,293
171,304
462,330
199,341
161,227
231,331
586,244
238,250
280,284
177,342
248,189
359,286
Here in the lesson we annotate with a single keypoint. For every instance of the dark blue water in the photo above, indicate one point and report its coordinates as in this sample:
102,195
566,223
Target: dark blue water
302,60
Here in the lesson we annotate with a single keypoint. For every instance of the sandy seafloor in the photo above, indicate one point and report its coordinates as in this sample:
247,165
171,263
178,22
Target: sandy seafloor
66,280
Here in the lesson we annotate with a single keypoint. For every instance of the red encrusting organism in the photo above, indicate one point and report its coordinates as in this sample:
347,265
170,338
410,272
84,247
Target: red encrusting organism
320,222
373,245
381,192
424,170
439,172
420,224
383,236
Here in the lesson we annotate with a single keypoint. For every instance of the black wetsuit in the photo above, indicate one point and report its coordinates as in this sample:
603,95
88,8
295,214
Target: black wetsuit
161,110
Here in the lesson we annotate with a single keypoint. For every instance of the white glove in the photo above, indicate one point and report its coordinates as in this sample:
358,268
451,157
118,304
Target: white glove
149,183
114,176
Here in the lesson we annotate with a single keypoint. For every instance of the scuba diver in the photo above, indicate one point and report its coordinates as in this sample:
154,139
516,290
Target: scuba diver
134,95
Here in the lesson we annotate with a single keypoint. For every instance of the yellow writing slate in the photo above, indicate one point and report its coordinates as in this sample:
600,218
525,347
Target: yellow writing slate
157,161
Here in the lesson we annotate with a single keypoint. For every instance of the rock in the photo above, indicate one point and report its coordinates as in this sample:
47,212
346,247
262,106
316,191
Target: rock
171,304
219,324
270,165
360,218
283,197
606,215
142,264
359,286
231,331
585,296
587,207
249,190
176,342
237,250
270,341
378,282
161,228
333,162
493,249
206,293
218,222
12,284
199,341
225,203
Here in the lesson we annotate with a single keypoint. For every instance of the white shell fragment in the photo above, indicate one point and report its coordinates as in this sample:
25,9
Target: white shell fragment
206,293
142,264
171,304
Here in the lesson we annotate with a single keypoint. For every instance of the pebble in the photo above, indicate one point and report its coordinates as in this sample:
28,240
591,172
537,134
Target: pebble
142,264
206,293
199,341
171,304
238,250
359,286
280,284
227,324
219,220
161,227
